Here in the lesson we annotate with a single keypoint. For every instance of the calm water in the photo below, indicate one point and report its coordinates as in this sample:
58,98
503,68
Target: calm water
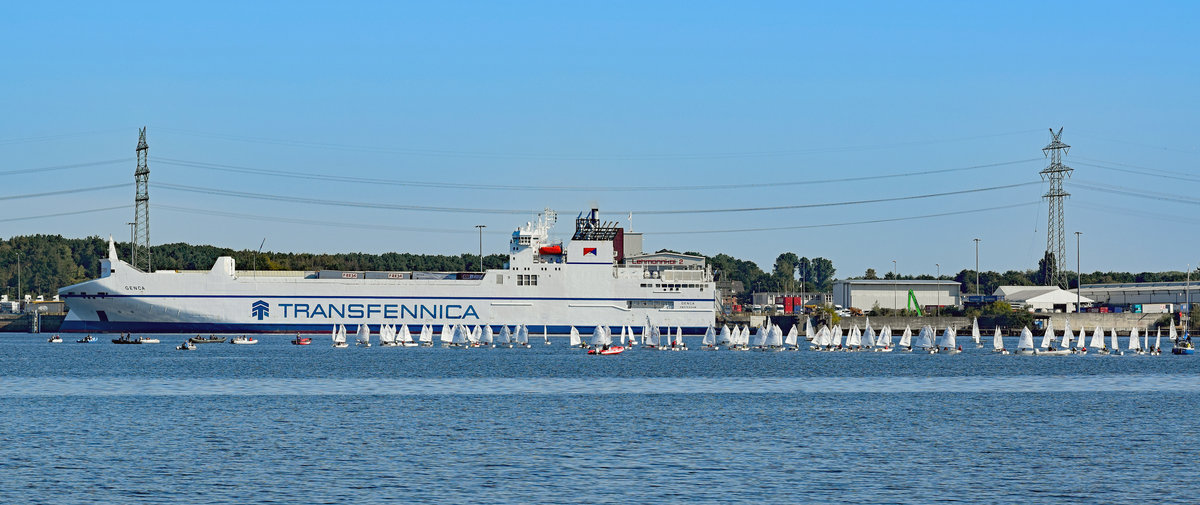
276,423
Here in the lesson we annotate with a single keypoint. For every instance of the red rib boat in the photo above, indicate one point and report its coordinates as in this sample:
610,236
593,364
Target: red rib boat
301,340
616,349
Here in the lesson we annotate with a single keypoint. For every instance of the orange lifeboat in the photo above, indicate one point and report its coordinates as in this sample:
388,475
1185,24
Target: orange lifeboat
550,249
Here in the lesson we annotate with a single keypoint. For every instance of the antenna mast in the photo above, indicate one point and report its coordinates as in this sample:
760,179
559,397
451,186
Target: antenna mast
1056,241
141,213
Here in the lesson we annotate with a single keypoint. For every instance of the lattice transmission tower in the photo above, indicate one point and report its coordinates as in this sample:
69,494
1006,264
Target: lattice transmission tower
141,212
1056,239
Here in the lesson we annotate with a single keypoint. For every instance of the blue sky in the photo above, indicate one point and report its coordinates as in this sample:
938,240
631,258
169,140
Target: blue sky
590,96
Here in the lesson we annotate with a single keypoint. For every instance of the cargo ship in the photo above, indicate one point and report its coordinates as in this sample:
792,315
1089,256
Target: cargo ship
598,277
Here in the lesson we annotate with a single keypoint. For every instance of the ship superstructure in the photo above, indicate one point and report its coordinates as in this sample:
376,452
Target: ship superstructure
547,286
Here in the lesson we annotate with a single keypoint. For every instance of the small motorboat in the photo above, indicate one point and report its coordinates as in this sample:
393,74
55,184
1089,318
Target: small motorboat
211,339
186,346
125,338
55,339
616,349
243,340
86,340
301,340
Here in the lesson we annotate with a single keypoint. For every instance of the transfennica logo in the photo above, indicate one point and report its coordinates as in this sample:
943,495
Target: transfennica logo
260,309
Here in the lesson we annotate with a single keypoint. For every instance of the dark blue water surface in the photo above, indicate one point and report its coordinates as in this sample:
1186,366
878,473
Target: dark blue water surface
276,423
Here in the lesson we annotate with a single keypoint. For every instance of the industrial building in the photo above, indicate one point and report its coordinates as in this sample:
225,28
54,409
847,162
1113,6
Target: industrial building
1040,298
1142,293
896,294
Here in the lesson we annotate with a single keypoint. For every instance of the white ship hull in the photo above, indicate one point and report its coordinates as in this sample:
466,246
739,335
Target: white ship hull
550,296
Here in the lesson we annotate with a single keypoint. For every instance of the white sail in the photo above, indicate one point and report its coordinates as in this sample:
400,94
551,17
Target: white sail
1068,336
906,337
948,339
1048,337
710,337
835,336
333,334
505,336
575,340
975,336
383,335
1172,334
523,335
1158,338
1097,338
925,337
1135,343
461,335
364,334
885,337
760,336
792,337
998,340
775,336
808,330
447,334
404,335
1026,342
488,335
597,339
632,335
854,338
678,342
868,338
723,338
1113,339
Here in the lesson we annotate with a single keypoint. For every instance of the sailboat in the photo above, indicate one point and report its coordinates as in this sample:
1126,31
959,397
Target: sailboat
523,336
1178,345
505,338
947,344
487,337
603,344
1048,348
868,338
386,338
404,337
975,336
339,337
854,339
363,337
884,344
677,343
809,334
792,337
460,338
924,340
426,336
447,335
598,338
1116,347
725,338
709,342
545,333
575,340
1068,337
1135,343
906,339
632,337
1025,345
1097,342
998,342
820,340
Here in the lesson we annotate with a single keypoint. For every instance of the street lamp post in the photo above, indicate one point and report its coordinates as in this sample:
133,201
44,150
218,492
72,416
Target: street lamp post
1079,274
132,247
20,294
895,300
937,310
976,267
481,227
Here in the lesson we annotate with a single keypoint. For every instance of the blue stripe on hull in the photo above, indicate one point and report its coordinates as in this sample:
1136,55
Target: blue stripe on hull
77,326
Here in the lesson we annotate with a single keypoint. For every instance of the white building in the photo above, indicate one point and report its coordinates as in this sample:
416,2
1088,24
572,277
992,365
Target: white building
895,294
1140,293
1041,298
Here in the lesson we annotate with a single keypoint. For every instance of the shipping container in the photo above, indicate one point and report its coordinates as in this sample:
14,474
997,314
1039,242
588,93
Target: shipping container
389,275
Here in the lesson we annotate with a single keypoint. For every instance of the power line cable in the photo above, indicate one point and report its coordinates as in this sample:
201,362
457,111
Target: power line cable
63,192
332,224
342,203
1155,195
581,157
43,138
501,187
71,213
848,223
64,167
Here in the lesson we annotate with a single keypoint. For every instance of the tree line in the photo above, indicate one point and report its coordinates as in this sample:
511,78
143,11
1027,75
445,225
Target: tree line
49,262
